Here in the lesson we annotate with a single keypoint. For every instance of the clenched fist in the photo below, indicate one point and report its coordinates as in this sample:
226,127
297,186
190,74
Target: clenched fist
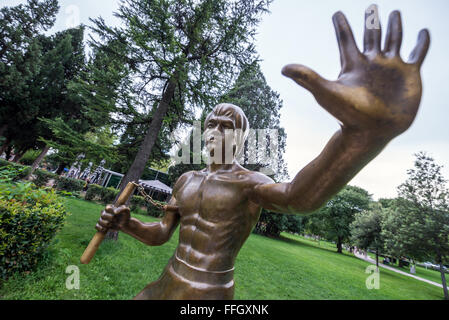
113,218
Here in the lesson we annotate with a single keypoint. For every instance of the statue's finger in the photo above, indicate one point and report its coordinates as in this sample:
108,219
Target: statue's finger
121,209
306,78
349,53
104,223
393,40
110,208
373,31
107,216
419,53
100,228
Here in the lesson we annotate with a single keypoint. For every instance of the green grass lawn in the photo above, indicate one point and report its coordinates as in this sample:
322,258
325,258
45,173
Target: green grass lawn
288,268
428,274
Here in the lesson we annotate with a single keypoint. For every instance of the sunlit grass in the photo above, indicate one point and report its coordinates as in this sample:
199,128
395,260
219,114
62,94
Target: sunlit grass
288,268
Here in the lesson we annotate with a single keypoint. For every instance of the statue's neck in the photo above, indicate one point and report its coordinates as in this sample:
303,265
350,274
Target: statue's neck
213,167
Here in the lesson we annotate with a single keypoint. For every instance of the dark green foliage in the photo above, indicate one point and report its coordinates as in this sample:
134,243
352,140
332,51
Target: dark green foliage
29,157
108,195
18,171
417,225
42,177
262,106
366,229
93,192
335,218
29,219
182,55
270,224
69,184
137,202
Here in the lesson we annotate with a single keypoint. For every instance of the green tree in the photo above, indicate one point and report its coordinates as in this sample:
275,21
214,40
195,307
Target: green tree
366,230
338,214
62,60
20,57
418,227
182,54
262,106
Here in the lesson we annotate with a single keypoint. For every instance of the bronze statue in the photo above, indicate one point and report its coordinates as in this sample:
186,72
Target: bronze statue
375,98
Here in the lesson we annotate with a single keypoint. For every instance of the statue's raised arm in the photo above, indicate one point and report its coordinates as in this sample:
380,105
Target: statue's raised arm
375,98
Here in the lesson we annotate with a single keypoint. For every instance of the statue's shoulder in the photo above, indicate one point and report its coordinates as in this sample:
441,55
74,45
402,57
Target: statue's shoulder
182,180
255,177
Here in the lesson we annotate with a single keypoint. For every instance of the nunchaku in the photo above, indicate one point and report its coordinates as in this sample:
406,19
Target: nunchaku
94,244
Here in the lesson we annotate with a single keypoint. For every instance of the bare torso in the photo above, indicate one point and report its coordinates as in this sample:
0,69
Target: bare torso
216,216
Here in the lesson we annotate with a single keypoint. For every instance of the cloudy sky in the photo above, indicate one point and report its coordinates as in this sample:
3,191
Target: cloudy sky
302,32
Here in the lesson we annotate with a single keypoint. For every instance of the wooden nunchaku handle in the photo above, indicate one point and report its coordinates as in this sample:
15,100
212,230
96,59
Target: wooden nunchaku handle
99,236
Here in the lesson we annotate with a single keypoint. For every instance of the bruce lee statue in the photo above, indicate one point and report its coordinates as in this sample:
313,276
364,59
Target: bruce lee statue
375,98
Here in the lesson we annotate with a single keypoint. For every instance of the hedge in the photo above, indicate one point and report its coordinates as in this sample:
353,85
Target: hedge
42,177
29,219
108,195
23,170
69,184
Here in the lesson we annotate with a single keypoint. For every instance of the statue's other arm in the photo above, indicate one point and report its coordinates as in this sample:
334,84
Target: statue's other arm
155,233
375,98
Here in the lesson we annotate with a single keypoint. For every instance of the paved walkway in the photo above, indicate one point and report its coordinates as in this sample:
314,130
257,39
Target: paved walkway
369,259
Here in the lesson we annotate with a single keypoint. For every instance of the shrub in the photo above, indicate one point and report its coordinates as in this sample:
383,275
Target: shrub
69,184
29,219
29,157
93,192
108,195
154,211
4,163
42,177
137,202
10,172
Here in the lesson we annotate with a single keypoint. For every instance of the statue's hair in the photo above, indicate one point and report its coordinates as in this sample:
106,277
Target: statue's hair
240,120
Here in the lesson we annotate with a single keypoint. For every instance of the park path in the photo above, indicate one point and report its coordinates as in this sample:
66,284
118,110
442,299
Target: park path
369,259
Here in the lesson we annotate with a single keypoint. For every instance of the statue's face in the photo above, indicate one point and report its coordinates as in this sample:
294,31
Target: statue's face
219,135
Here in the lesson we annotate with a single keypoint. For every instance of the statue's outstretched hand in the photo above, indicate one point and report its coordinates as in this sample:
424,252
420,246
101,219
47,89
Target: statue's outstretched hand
376,93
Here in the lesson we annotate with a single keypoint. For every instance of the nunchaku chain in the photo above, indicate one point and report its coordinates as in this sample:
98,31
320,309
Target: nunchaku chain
148,198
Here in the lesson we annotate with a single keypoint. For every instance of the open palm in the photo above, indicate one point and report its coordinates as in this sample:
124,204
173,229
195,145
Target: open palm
376,91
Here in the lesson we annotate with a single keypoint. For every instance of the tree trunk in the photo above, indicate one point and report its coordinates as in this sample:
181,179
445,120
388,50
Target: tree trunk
5,146
38,161
135,171
339,245
3,129
19,156
8,152
61,168
377,259
443,281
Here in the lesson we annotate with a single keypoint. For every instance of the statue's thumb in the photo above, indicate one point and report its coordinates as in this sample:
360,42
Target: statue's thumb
305,77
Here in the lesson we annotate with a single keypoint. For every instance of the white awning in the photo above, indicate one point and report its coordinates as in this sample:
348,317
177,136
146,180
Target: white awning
156,185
